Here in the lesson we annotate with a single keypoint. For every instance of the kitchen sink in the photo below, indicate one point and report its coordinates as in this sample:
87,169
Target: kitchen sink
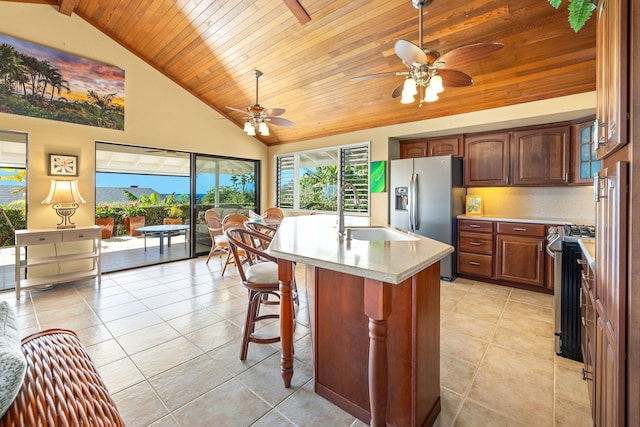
378,234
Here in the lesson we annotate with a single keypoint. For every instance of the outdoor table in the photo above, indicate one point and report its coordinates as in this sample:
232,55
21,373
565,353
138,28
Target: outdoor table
161,231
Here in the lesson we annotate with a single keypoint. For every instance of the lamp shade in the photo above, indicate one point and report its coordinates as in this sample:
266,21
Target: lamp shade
63,192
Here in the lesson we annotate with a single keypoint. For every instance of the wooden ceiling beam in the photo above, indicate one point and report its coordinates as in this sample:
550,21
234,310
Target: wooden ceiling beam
298,11
67,6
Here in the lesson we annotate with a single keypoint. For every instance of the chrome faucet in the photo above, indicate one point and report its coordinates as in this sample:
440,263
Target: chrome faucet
341,193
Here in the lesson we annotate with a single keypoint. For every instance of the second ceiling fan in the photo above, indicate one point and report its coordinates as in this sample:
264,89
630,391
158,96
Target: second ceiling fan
258,116
427,75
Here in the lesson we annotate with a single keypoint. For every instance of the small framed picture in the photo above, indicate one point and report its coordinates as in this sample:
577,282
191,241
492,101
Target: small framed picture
473,206
63,165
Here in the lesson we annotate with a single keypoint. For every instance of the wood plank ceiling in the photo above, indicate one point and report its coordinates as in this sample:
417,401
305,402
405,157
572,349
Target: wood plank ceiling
211,47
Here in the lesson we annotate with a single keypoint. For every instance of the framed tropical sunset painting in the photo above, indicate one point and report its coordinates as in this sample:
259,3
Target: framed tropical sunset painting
38,81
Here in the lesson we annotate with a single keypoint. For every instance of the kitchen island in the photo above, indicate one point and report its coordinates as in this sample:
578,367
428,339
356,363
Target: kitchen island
374,303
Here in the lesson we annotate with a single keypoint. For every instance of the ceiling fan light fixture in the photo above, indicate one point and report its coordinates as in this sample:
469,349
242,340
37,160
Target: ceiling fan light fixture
247,126
264,129
430,95
251,131
436,83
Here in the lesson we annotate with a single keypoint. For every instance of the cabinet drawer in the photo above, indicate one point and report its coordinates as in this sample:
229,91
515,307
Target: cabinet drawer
75,235
39,238
480,243
475,226
522,229
475,264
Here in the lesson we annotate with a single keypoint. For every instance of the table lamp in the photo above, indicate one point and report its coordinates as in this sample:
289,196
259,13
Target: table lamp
64,198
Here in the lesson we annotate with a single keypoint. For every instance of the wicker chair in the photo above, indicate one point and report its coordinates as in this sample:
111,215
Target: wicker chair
219,243
233,220
274,216
61,387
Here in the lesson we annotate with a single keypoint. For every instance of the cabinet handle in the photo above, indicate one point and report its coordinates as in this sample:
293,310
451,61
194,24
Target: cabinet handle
474,226
506,179
519,229
586,375
597,131
566,177
42,239
596,187
540,246
474,243
475,264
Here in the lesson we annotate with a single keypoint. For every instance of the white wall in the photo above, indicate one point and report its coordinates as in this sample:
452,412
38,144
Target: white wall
158,112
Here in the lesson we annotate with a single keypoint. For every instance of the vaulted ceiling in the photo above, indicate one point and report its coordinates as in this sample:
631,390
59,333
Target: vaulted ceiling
211,47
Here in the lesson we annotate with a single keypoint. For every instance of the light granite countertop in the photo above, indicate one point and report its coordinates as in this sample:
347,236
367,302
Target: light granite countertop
533,220
314,240
588,247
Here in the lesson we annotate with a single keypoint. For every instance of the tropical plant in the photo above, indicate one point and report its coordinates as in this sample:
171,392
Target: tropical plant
579,12
105,211
174,211
133,209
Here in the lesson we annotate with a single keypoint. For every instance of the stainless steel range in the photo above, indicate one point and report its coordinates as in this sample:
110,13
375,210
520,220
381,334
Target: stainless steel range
563,247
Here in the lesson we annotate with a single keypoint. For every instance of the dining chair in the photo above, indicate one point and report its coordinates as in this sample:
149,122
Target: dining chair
230,221
219,243
273,215
259,274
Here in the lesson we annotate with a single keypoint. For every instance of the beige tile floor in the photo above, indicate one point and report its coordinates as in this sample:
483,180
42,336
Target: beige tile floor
166,340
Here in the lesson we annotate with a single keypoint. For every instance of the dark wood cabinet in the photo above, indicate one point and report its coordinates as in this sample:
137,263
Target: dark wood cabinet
583,163
541,156
612,76
611,295
520,253
486,160
444,146
506,253
411,149
588,332
430,147
475,248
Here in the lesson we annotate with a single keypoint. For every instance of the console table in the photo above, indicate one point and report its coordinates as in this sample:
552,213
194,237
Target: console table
56,256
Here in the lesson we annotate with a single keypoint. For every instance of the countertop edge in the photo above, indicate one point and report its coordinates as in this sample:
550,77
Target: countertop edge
532,220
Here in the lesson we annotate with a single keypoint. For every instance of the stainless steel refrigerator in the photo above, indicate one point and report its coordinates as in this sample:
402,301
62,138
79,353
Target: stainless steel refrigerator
426,197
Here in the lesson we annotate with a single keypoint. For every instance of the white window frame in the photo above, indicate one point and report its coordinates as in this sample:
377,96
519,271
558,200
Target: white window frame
296,174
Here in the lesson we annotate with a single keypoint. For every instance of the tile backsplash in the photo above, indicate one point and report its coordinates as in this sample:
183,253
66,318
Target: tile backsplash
570,203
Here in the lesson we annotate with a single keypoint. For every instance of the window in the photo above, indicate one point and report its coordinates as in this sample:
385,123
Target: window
309,180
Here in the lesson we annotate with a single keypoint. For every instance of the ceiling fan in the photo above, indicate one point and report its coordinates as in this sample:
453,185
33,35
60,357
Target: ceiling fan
258,117
427,75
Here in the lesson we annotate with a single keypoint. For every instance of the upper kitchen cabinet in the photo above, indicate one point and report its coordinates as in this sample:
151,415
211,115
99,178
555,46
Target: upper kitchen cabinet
413,148
612,76
430,147
486,160
444,146
584,163
541,156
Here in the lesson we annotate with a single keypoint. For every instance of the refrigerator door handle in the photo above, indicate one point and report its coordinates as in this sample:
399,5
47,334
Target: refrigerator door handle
413,203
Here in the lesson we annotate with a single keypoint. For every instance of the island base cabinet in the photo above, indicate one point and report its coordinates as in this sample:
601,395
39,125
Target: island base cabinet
340,331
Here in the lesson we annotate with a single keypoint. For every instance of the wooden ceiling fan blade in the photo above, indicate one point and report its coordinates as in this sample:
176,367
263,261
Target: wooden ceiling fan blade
455,78
397,91
409,53
298,11
469,54
275,111
279,121
373,76
239,110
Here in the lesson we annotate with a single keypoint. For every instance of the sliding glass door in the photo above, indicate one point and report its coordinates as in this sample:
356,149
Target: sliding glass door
227,185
